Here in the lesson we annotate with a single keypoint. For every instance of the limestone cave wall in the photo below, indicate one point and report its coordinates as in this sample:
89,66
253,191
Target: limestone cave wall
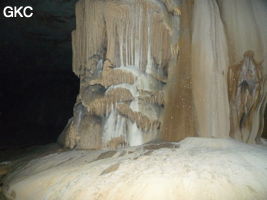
167,69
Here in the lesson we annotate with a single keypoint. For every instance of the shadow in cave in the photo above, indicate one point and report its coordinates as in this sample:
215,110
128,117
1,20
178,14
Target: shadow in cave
35,106
37,86
264,134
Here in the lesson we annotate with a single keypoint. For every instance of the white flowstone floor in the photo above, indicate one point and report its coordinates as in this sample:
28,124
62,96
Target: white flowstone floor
193,169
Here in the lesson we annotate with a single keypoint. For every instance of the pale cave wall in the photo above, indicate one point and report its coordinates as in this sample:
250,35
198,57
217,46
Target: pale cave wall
247,50
167,69
209,70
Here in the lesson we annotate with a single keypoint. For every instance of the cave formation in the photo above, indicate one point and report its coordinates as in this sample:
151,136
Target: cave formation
171,106
167,70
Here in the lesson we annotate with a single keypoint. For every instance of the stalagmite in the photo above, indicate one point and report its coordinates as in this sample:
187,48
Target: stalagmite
166,70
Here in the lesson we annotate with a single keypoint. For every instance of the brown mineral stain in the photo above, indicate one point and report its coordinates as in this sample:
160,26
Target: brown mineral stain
105,155
110,169
160,146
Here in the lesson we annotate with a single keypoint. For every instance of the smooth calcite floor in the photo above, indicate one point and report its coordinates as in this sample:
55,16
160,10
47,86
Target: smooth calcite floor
193,169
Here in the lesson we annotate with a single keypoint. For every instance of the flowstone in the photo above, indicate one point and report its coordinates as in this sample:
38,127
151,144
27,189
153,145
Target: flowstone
167,69
122,51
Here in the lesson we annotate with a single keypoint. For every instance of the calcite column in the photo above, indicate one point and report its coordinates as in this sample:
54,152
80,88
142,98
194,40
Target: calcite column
122,52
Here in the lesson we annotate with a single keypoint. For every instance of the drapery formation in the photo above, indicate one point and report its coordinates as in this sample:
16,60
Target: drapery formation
226,54
167,69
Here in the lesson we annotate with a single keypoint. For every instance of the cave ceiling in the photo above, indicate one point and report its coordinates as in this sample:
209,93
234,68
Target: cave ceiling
45,36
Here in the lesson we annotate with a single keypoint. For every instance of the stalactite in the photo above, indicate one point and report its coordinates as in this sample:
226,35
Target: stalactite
168,69
122,51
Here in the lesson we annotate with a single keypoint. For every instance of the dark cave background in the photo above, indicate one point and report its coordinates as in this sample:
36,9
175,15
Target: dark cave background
37,86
